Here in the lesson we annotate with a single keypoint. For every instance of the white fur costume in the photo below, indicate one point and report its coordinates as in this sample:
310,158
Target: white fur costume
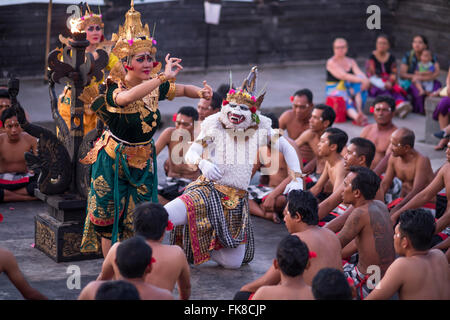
231,139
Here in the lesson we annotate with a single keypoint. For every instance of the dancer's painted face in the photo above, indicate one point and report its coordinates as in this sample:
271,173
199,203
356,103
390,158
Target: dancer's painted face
142,65
94,33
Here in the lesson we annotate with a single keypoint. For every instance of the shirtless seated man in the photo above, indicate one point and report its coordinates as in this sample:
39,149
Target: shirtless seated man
296,120
292,259
134,262
267,199
331,143
322,117
177,139
369,225
440,181
360,152
171,266
16,182
205,108
301,220
409,166
380,132
419,273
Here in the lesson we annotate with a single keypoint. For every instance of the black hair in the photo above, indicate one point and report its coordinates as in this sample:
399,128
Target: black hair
8,113
365,181
407,137
366,148
189,112
384,36
331,284
424,39
117,290
132,257
305,204
222,90
327,113
216,101
305,92
292,256
273,117
419,226
386,99
338,137
150,220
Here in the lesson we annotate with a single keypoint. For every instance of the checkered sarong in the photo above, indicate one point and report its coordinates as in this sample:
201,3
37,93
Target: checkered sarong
258,192
211,225
173,187
360,279
394,190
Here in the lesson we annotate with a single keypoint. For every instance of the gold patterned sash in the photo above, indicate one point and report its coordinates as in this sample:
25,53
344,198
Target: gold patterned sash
137,153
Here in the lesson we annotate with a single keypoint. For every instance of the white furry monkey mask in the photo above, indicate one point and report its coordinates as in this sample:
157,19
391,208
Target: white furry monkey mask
239,110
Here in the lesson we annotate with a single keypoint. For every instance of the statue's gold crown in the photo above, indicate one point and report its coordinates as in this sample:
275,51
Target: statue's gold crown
245,94
132,37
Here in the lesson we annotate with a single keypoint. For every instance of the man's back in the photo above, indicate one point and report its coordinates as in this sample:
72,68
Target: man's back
327,247
150,292
284,292
375,240
425,276
146,291
170,266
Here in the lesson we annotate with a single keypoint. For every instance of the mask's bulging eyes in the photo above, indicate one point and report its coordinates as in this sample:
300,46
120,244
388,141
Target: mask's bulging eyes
232,105
244,108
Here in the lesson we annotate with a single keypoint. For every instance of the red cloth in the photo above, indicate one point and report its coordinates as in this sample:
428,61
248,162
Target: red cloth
338,105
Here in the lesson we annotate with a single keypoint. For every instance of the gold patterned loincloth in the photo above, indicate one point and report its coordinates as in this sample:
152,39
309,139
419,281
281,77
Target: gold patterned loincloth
218,217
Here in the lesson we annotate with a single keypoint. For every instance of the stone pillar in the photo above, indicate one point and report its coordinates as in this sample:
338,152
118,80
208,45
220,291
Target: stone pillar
431,125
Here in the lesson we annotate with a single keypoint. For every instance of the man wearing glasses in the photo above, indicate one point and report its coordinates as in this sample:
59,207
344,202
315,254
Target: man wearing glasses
410,167
177,139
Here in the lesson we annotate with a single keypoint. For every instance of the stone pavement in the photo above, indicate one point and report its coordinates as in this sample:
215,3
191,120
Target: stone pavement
208,280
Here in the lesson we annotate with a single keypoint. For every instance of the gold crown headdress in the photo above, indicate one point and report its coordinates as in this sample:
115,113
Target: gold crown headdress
132,37
246,93
89,18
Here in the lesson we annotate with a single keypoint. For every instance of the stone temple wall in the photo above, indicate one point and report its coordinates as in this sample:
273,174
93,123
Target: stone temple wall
248,33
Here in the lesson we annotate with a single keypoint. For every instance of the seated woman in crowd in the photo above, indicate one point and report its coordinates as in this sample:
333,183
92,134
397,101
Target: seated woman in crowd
345,79
409,73
381,69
